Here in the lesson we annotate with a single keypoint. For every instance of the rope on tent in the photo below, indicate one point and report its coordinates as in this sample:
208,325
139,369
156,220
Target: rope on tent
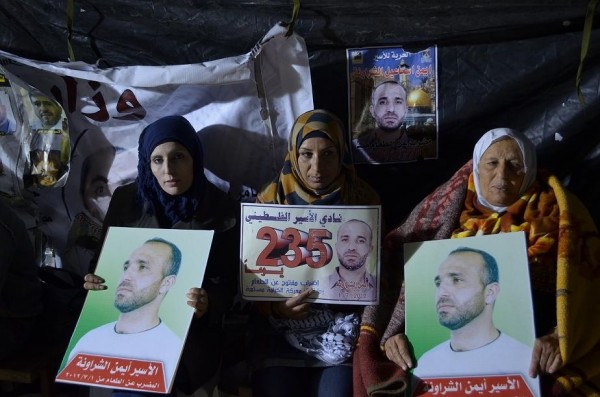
70,30
585,44
290,24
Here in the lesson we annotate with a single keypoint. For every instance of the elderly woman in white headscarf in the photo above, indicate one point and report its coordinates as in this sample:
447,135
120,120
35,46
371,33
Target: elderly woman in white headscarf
519,168
499,191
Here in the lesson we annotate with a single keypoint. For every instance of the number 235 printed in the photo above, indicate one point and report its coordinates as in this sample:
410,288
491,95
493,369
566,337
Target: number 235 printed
287,247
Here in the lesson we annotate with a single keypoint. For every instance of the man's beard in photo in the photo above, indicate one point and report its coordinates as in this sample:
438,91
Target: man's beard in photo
358,265
464,313
390,129
136,300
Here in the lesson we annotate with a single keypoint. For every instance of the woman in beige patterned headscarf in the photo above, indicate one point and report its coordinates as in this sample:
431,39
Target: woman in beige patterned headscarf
333,181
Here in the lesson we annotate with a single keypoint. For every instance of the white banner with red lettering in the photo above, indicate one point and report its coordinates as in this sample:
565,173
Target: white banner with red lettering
243,108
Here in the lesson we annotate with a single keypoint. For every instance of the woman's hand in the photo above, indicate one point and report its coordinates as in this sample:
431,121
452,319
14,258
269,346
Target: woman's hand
396,349
294,308
198,299
93,282
545,357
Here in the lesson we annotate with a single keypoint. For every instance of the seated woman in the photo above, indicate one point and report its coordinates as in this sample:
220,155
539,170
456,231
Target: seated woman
171,192
501,191
317,171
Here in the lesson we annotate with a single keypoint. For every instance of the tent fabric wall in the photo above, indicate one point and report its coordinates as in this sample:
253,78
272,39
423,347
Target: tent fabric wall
511,63
141,32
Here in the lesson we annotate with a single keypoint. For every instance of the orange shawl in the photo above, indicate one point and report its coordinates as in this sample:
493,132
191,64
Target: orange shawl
575,254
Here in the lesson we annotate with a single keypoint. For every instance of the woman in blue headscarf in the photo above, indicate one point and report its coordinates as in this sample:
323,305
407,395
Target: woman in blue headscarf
171,192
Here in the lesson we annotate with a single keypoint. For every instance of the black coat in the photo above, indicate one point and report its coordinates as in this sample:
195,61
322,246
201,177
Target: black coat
202,350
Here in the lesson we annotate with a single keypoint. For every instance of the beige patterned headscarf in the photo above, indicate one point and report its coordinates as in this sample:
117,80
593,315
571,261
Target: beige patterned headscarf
290,188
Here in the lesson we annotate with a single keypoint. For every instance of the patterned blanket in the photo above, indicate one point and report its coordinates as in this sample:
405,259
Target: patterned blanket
577,302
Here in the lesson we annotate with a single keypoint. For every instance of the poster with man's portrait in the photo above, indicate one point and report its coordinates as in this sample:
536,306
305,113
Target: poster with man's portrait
334,250
392,104
469,316
130,336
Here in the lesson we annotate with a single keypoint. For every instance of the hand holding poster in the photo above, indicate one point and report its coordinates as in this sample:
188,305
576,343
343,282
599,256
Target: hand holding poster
334,250
469,331
130,336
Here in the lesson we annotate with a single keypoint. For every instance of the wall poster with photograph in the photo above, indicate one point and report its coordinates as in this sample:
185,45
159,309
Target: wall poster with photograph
392,104
131,335
469,316
332,249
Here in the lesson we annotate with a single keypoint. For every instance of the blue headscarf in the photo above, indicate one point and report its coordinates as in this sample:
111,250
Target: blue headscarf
170,208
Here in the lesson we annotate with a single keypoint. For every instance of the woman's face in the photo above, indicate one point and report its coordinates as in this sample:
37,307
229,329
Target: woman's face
173,167
319,162
501,173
